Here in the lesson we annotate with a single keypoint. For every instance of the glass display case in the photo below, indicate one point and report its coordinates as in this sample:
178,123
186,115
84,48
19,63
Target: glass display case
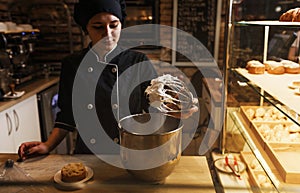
266,109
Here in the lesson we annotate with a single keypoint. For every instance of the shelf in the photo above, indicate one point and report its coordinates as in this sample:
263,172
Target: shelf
269,23
261,155
20,31
276,85
268,91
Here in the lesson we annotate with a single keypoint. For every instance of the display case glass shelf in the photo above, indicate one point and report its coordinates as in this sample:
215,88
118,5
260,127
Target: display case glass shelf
268,23
279,86
267,106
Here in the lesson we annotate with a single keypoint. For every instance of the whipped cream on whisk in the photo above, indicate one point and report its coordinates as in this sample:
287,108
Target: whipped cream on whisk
168,93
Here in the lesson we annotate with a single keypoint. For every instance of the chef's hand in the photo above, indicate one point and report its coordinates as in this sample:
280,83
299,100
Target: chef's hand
184,114
32,149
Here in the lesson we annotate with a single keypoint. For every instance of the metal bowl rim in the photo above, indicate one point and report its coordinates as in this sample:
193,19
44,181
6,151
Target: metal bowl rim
158,134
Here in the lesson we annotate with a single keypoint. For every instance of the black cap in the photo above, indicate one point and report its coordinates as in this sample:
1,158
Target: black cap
86,9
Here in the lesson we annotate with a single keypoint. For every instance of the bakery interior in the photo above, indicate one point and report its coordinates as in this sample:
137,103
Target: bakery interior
247,136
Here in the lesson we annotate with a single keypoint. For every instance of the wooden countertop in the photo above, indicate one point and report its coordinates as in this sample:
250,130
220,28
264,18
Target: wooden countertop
190,175
30,88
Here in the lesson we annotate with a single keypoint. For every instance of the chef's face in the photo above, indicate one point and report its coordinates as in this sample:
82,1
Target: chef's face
105,27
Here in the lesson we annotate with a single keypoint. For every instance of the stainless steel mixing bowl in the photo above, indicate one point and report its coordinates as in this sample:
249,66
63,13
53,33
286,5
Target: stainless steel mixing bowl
150,145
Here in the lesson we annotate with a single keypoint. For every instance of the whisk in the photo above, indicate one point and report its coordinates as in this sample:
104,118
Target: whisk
170,94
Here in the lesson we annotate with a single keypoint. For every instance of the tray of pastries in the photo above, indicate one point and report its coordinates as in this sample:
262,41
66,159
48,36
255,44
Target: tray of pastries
286,159
278,136
277,133
267,114
259,181
280,140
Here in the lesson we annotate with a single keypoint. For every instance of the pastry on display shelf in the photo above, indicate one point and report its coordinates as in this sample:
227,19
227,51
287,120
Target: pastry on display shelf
294,128
255,67
295,84
260,112
254,165
291,67
263,181
274,67
292,15
279,132
250,113
266,114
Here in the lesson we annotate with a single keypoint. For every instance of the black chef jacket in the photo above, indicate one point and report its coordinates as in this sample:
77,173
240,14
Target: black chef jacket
124,59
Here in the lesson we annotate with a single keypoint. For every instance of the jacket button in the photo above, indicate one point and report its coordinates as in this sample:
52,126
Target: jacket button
116,140
90,106
92,141
115,106
90,69
114,70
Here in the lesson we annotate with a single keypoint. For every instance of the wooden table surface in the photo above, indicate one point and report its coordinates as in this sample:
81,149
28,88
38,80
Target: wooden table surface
190,175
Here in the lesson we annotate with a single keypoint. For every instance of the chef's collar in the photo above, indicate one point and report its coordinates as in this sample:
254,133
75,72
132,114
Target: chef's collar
99,57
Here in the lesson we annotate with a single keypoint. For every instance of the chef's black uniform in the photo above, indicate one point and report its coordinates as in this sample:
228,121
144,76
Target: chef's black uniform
122,60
